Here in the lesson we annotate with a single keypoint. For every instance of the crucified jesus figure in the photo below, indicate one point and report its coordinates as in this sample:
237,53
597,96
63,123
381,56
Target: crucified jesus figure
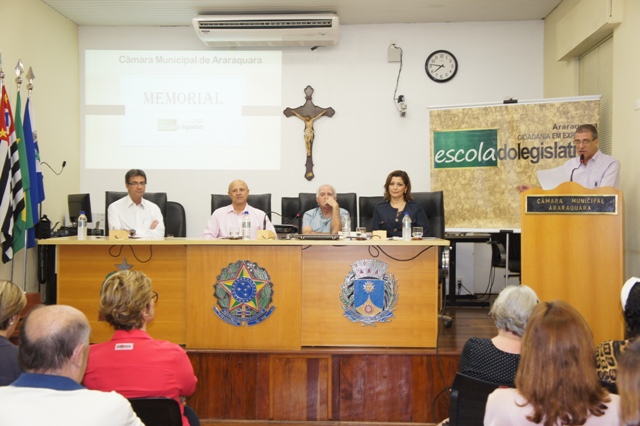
309,113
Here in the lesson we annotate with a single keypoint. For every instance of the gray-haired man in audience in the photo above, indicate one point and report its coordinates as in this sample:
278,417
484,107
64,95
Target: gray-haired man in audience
53,351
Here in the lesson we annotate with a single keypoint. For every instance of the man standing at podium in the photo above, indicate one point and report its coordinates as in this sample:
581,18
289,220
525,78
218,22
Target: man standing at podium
590,167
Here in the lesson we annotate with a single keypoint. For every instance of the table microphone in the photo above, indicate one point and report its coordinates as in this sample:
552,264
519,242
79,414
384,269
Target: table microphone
581,163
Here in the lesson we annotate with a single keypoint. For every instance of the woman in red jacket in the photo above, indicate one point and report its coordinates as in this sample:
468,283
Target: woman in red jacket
132,363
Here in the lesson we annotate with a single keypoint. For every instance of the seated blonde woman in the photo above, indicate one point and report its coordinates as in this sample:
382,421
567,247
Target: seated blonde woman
12,302
132,363
496,360
556,383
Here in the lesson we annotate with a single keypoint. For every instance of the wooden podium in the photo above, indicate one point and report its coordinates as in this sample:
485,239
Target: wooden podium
572,249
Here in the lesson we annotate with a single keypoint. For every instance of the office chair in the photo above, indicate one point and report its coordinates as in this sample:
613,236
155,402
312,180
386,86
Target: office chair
499,258
366,206
158,198
433,205
157,411
290,211
175,222
259,201
347,201
468,400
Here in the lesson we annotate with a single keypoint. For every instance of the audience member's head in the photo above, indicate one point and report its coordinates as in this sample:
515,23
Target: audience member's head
630,298
127,301
512,307
557,373
55,340
629,385
404,177
12,302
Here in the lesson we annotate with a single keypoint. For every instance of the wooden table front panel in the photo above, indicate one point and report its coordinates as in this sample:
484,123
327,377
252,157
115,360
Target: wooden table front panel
415,322
280,331
83,268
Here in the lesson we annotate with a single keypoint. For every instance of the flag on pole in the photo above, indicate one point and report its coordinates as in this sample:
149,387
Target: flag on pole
33,162
6,194
24,221
17,201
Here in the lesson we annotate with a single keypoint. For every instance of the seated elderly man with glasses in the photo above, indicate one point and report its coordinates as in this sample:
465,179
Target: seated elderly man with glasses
132,213
590,167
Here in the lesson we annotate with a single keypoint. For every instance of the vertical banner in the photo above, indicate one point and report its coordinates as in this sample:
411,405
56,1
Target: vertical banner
480,154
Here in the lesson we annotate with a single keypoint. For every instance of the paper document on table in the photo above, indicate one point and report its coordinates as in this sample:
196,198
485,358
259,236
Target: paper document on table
551,178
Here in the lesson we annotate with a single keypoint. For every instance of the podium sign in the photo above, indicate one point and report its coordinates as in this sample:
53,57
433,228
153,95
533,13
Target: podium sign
571,204
572,249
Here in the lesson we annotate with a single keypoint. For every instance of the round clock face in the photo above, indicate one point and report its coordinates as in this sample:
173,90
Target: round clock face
441,66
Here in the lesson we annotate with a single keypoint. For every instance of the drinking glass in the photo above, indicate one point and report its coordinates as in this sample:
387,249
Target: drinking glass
417,232
361,233
234,232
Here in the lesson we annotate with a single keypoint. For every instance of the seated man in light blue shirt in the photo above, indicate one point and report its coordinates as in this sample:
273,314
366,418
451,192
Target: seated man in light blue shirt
327,217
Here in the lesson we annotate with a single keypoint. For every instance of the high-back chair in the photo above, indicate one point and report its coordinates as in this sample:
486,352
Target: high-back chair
158,198
290,211
366,207
433,205
175,222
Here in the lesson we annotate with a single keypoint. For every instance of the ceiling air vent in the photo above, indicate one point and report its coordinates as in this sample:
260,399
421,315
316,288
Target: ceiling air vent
267,30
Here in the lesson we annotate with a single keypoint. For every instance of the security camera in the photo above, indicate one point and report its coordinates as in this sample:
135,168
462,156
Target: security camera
402,108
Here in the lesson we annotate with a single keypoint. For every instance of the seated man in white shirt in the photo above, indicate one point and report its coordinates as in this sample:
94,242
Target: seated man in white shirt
229,218
135,214
53,350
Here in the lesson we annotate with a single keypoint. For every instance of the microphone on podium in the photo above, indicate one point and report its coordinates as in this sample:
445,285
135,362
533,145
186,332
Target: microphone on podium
581,163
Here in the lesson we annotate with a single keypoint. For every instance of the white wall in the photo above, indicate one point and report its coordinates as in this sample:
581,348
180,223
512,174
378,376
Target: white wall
366,138
48,42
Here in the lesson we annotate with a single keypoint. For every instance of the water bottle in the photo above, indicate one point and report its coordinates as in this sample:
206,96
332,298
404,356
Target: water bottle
406,227
346,226
246,226
82,226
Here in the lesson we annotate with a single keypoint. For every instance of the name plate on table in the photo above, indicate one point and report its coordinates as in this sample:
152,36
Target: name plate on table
572,204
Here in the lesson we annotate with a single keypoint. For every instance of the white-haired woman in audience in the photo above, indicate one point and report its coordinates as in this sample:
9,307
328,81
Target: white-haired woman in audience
496,360
12,302
556,383
132,363
608,352
629,384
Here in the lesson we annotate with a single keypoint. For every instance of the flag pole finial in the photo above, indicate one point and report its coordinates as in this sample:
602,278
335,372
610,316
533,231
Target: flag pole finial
30,77
19,71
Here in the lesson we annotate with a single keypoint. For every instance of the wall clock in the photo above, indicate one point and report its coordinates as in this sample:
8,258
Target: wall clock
441,66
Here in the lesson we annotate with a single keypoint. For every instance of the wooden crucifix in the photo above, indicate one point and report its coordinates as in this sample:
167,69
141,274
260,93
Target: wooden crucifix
309,113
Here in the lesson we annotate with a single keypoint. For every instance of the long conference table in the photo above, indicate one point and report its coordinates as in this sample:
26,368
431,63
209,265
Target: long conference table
308,288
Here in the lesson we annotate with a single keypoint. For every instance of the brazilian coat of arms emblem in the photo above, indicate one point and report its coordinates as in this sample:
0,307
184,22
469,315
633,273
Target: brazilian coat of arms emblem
369,294
244,292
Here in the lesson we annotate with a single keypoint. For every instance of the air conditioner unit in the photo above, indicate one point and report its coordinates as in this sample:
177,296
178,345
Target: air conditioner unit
267,30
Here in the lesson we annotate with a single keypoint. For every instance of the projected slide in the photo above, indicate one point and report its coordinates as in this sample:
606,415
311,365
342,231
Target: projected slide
182,109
